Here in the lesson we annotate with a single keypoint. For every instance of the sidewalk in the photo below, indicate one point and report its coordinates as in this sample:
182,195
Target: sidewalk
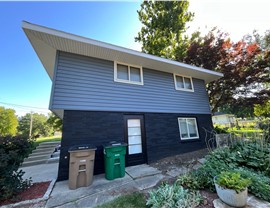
137,178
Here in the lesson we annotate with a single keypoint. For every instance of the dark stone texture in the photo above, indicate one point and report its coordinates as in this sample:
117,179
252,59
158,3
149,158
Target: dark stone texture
97,128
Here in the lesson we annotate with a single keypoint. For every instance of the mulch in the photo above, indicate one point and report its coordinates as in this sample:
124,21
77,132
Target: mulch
37,190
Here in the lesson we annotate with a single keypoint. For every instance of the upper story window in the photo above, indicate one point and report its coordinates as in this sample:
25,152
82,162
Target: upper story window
183,83
188,128
128,73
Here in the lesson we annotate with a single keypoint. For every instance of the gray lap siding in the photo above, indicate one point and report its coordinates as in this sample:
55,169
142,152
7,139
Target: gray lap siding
85,83
96,128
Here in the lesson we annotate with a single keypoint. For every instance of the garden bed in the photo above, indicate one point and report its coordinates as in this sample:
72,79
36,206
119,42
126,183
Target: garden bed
37,190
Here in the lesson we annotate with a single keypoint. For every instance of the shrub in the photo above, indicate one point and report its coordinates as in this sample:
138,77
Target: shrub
227,159
188,181
232,180
12,152
260,184
169,196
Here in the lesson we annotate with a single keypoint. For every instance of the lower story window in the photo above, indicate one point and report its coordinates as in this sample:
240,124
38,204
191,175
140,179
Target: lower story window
188,128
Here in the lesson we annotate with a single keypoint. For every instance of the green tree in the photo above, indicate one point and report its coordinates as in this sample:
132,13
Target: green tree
39,125
262,110
245,66
55,122
164,24
8,122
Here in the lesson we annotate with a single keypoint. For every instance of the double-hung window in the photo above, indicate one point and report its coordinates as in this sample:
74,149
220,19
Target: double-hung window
188,128
128,73
183,83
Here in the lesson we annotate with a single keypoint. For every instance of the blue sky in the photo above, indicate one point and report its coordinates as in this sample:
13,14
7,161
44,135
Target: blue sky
23,79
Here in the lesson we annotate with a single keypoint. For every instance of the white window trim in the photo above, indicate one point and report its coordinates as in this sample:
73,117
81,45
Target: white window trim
189,138
127,81
183,89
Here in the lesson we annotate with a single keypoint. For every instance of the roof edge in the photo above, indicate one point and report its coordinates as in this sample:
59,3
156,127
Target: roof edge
35,27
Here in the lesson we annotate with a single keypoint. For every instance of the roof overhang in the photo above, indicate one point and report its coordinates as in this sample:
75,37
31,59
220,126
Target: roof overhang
46,42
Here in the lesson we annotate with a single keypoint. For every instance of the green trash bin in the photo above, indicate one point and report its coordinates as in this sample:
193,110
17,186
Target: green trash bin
114,156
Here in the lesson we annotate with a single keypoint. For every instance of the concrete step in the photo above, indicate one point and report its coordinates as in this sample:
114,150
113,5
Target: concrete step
34,158
49,143
55,154
32,163
43,150
45,147
41,153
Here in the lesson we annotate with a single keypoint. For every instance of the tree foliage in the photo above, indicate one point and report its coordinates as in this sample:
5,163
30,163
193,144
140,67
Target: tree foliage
55,122
8,122
245,64
39,125
164,24
262,110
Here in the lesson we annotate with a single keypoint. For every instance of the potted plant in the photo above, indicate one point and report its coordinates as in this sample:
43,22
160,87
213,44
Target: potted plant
232,188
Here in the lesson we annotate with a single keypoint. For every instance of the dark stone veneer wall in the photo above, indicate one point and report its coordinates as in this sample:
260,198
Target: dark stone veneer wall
97,128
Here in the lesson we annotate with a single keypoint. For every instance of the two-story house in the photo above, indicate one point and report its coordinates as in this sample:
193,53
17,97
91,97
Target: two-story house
105,93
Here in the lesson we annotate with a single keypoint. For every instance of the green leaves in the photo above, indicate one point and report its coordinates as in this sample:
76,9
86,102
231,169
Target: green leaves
171,196
233,180
250,159
164,24
12,152
8,122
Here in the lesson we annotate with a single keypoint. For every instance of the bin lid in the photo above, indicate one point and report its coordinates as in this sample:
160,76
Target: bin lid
114,144
82,147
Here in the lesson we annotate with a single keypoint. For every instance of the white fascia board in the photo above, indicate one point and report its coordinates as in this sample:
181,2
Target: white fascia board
208,75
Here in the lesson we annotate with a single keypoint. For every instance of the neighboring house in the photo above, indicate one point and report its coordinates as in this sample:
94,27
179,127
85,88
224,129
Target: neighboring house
224,119
109,93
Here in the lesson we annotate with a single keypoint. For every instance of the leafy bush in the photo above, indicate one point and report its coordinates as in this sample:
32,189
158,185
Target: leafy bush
216,162
188,181
170,196
260,184
232,180
227,159
12,152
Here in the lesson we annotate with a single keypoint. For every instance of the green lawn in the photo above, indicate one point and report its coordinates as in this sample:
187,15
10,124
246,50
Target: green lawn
48,139
134,200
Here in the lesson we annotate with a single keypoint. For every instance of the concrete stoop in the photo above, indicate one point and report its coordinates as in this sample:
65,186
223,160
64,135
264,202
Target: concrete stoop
42,154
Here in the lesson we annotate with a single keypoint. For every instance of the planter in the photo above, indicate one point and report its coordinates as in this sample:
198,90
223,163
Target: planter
231,197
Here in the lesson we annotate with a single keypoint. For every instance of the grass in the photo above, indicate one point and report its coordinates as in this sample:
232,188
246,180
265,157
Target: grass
48,139
134,200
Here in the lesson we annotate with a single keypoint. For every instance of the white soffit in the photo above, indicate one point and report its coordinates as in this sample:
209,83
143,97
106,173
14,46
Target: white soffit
46,42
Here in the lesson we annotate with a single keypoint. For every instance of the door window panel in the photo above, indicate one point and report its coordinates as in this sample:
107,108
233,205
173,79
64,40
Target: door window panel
134,136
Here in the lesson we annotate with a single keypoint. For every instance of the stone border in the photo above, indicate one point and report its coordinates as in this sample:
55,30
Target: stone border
32,201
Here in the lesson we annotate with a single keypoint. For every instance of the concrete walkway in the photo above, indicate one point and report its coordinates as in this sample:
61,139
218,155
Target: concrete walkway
40,173
137,178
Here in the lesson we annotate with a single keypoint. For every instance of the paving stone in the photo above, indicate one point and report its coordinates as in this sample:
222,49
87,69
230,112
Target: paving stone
140,171
174,172
148,181
252,202
202,160
61,193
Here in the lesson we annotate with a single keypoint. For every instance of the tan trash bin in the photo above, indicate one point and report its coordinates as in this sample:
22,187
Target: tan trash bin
81,166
